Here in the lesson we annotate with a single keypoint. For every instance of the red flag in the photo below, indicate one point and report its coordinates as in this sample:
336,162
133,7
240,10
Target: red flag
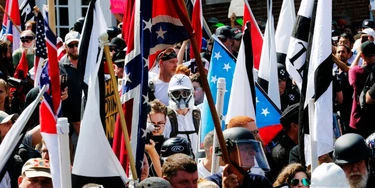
9,30
256,34
118,145
22,67
196,22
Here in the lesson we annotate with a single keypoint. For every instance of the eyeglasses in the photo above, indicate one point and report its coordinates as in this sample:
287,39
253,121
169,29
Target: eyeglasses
113,49
26,39
255,132
305,182
181,93
197,88
71,45
167,54
157,126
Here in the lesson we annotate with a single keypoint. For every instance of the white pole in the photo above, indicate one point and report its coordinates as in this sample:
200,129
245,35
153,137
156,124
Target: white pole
219,108
313,145
64,152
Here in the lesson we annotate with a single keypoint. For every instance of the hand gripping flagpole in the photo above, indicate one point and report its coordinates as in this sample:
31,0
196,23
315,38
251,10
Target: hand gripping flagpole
64,152
182,13
219,107
104,39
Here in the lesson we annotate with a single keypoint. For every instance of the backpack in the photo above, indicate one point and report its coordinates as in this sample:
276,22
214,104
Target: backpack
173,119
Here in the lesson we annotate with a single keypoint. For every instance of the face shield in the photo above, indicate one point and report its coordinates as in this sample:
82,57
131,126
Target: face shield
249,154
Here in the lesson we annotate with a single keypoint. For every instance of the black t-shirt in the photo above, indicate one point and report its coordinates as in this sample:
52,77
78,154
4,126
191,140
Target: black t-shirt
250,180
71,107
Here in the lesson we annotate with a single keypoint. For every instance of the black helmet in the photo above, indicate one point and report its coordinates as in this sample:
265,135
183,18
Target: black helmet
350,148
112,32
224,32
79,24
282,73
175,145
248,148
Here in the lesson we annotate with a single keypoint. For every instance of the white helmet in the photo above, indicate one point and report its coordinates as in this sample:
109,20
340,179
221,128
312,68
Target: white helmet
180,92
329,175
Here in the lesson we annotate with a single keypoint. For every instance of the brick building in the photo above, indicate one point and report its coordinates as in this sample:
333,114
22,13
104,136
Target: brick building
353,11
69,10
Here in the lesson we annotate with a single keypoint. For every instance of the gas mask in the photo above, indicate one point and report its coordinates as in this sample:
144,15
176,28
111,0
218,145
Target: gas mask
181,99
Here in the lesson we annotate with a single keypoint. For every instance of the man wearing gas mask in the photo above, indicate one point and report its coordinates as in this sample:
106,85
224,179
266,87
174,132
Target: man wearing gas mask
244,151
183,117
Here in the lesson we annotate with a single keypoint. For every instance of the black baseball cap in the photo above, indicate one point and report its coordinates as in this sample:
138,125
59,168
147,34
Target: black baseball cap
236,33
224,32
368,24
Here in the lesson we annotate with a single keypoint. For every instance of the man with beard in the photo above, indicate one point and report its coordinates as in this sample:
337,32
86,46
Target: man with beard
71,107
27,40
352,154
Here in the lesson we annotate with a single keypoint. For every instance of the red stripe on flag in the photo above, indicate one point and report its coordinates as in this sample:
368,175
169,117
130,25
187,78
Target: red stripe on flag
269,132
256,35
196,22
118,145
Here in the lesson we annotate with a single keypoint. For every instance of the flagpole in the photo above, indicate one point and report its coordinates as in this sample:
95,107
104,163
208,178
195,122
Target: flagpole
120,112
186,22
10,18
51,16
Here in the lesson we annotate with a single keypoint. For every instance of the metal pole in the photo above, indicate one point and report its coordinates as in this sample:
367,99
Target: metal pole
219,108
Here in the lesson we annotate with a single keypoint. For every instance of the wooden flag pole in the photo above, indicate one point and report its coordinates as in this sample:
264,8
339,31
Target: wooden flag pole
51,16
120,112
10,18
209,97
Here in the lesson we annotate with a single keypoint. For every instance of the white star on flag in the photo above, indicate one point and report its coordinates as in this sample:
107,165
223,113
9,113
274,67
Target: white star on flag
146,61
227,67
148,25
144,133
213,79
161,33
265,111
145,98
127,79
217,55
256,100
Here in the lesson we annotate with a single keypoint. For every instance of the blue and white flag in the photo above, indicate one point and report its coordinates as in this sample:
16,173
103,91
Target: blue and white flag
222,66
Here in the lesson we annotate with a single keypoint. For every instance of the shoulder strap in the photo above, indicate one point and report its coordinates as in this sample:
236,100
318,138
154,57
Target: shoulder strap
196,119
151,90
173,120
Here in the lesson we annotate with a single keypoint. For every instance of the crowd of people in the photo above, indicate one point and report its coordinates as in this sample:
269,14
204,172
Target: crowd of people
172,154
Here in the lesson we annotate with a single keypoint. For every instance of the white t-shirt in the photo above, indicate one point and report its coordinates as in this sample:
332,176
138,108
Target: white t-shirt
161,90
185,123
203,172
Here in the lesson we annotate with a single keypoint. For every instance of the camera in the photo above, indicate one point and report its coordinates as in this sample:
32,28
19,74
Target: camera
15,82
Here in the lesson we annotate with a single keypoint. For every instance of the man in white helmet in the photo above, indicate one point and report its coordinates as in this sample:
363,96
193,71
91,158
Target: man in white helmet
183,116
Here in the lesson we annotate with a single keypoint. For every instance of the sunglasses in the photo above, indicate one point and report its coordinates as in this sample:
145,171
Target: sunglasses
181,93
304,181
26,39
167,54
71,45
